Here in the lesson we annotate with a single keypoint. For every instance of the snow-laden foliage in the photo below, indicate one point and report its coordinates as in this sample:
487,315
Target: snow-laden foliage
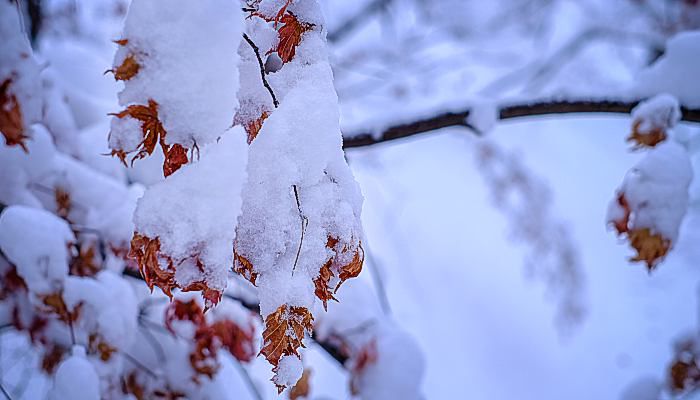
653,198
20,86
298,237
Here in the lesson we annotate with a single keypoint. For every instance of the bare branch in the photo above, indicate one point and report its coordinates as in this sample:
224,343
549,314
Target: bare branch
458,118
354,22
262,69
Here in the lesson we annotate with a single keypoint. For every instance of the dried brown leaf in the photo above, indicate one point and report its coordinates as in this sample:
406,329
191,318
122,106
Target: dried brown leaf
86,263
127,70
290,36
11,124
97,345
646,139
366,356
284,332
146,252
353,268
51,358
322,284
252,128
243,267
63,202
175,157
302,387
651,247
236,339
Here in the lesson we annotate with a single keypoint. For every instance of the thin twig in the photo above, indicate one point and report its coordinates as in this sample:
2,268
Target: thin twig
378,282
249,381
304,224
157,347
4,392
262,69
139,364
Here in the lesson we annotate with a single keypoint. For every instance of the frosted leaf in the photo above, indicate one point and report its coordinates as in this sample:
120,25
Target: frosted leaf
653,118
288,372
652,201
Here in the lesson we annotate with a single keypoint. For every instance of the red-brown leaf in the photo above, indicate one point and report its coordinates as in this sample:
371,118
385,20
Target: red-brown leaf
11,124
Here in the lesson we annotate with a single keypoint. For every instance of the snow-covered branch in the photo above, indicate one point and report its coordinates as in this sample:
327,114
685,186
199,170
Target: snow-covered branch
509,111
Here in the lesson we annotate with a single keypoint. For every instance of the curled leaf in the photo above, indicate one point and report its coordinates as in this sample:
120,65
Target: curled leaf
243,267
353,268
127,69
146,252
153,134
322,284
175,157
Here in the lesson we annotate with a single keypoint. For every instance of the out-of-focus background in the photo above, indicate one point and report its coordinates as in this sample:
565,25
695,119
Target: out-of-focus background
526,296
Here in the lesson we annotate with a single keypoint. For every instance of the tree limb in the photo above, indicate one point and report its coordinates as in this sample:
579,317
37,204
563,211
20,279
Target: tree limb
459,118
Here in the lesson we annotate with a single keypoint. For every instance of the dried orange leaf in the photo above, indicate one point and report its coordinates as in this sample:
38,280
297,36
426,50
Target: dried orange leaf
63,202
146,252
367,356
353,268
284,332
175,157
252,128
651,247
56,305
11,124
127,70
290,36
86,263
97,345
322,284
243,267
302,388
646,139
236,339
621,223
